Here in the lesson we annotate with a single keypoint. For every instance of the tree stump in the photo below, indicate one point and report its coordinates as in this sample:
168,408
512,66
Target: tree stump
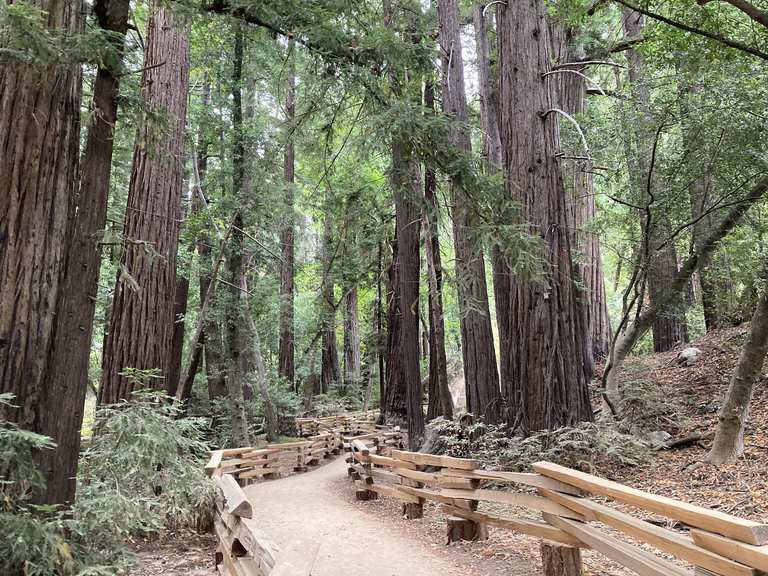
558,560
366,495
458,529
413,511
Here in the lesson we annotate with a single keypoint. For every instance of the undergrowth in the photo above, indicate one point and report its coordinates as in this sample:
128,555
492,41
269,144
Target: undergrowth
584,446
142,473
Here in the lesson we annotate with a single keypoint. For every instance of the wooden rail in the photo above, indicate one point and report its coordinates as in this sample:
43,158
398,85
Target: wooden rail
243,550
566,519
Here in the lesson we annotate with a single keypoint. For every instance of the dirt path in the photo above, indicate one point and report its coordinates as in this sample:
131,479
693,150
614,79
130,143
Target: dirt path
308,507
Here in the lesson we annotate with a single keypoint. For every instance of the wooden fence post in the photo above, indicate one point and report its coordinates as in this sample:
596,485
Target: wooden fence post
559,560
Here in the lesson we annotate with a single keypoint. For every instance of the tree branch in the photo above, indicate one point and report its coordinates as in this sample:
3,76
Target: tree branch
735,44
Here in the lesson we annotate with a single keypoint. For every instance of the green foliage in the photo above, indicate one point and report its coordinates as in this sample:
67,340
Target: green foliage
19,476
583,446
145,462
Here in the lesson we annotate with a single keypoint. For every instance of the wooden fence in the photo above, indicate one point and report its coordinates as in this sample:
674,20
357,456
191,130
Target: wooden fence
242,549
714,543
323,438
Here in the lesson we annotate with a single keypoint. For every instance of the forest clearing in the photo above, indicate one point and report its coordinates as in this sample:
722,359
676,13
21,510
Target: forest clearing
383,286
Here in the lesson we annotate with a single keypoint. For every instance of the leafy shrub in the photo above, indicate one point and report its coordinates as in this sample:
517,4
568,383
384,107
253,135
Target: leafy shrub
141,473
145,462
582,446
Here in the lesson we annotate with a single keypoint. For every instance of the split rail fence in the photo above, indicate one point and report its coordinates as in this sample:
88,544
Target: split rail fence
243,550
714,543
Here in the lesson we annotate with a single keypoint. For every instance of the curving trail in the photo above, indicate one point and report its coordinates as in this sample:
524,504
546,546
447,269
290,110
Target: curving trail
307,507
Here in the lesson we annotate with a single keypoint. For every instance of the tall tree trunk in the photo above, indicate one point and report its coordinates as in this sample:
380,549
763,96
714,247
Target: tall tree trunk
548,352
406,186
177,340
351,340
235,376
571,96
141,325
329,365
67,373
286,363
729,438
393,403
380,344
440,400
39,149
478,351
492,150
669,327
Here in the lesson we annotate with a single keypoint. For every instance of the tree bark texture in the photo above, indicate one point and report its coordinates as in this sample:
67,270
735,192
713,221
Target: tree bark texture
440,399
571,96
286,350
394,402
729,438
67,373
351,340
478,350
141,325
547,350
177,339
39,152
234,314
406,187
329,365
670,327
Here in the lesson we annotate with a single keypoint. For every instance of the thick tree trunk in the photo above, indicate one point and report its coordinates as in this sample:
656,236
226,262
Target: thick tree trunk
670,327
440,400
286,362
478,351
492,150
67,374
329,365
351,340
39,150
141,325
406,187
548,352
235,375
729,438
571,95
394,402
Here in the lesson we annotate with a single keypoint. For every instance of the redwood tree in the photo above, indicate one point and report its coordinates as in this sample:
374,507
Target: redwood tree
39,150
286,362
141,325
547,349
477,347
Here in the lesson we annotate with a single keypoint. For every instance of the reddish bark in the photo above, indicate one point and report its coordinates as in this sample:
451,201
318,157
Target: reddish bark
141,326
547,350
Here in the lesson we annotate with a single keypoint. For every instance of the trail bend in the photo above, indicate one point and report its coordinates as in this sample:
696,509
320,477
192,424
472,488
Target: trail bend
309,507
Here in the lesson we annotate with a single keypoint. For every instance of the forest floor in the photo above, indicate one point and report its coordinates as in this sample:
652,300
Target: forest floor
382,543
